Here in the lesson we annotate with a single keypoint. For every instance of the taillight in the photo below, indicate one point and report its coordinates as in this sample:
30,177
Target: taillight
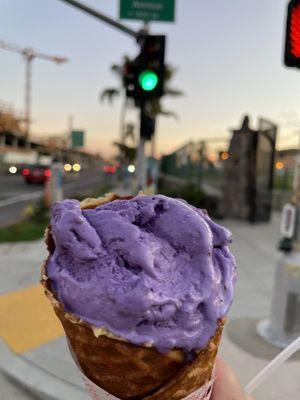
109,169
47,173
25,172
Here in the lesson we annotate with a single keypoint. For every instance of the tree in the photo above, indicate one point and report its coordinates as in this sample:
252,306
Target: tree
127,153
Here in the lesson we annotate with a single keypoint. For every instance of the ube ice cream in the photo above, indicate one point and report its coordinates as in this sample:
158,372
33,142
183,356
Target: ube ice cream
151,269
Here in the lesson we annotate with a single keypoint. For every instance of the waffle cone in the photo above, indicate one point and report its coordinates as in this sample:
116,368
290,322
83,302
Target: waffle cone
128,371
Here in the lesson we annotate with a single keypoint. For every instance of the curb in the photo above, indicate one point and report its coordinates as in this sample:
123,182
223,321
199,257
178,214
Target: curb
39,381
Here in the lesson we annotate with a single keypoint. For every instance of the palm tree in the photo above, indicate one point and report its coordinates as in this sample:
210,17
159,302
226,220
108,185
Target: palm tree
127,150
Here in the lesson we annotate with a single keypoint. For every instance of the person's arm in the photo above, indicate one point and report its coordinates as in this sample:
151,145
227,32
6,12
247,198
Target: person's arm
226,386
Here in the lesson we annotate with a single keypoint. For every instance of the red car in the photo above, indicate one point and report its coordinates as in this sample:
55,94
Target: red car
36,174
109,169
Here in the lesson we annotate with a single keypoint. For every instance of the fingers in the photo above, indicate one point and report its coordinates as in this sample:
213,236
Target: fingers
226,386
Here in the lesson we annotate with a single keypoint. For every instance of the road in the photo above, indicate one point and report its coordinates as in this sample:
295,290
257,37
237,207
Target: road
15,194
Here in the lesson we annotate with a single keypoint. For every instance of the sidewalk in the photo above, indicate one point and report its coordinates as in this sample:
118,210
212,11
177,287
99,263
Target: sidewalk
33,349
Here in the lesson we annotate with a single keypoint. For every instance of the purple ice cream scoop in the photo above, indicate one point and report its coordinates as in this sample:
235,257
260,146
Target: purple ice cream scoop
151,269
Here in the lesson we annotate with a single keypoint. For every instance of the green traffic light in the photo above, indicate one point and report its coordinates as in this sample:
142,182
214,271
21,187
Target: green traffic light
148,80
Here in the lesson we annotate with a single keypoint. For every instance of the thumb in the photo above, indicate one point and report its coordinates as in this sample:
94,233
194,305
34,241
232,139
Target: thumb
226,386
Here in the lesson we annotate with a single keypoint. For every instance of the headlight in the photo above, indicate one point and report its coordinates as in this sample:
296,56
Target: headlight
131,168
13,170
76,167
67,167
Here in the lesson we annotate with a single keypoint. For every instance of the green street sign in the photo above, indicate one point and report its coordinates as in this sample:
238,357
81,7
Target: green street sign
77,139
148,10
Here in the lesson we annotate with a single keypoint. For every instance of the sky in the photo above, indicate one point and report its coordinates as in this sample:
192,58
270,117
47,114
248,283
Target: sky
228,56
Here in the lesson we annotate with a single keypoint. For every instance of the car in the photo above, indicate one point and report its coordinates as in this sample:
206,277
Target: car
109,169
38,174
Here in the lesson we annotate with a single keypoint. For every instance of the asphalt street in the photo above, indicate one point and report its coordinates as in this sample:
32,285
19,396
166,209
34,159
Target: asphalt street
15,194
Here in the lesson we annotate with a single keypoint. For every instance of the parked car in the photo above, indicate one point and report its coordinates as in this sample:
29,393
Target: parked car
39,174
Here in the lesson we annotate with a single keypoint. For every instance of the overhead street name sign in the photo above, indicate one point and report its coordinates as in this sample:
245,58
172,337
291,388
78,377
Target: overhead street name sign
77,139
148,10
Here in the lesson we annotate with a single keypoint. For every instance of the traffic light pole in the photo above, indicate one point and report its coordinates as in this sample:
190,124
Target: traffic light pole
141,165
141,159
102,17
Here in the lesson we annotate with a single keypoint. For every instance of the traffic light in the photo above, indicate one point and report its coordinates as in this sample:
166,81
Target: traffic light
151,69
129,77
143,77
292,43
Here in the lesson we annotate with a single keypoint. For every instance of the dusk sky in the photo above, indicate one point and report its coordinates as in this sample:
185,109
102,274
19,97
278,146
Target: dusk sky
228,54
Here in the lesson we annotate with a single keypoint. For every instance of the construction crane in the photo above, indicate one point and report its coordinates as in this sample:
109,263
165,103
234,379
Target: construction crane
29,55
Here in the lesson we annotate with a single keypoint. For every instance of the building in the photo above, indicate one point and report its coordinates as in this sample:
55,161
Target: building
288,158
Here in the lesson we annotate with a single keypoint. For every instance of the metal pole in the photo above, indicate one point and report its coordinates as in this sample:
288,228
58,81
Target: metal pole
141,167
123,166
70,128
27,106
141,159
296,179
102,17
122,119
153,147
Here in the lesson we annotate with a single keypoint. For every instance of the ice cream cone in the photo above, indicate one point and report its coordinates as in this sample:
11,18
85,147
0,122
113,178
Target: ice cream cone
125,370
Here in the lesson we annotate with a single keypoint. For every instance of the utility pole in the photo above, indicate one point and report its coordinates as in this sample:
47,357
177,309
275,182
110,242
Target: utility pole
141,158
141,165
29,55
28,84
70,129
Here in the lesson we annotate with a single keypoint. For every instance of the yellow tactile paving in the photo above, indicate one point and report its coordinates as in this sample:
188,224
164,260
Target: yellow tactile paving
27,319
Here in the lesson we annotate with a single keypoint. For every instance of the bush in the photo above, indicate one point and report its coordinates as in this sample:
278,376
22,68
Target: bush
194,196
37,213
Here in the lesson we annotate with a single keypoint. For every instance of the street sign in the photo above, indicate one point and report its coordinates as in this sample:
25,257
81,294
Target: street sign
77,139
148,10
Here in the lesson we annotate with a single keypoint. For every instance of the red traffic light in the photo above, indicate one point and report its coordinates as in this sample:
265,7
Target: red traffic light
292,45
